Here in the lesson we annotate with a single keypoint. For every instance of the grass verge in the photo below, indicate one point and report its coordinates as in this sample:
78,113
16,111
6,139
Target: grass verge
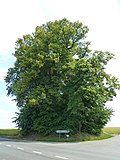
108,132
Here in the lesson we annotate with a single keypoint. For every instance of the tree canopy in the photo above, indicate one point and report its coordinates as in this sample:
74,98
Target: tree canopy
58,82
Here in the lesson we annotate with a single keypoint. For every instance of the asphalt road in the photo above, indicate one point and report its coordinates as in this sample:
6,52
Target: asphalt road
108,149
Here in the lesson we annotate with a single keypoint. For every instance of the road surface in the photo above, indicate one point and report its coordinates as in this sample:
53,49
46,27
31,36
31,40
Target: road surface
108,149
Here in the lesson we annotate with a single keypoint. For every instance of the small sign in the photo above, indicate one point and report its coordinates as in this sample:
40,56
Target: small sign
62,131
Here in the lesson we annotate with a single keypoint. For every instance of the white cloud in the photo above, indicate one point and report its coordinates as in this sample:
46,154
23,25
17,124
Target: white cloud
115,119
3,73
7,102
6,119
3,112
7,112
17,18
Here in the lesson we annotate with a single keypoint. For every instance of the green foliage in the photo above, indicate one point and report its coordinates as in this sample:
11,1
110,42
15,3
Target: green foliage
58,82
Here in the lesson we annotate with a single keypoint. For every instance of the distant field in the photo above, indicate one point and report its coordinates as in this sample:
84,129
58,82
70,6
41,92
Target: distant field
112,130
9,132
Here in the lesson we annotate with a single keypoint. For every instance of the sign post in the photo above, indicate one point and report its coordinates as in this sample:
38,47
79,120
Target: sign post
62,132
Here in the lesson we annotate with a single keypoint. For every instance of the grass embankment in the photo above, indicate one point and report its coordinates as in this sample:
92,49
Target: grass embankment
107,133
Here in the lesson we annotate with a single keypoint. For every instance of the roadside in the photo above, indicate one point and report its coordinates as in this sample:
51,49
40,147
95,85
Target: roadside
108,132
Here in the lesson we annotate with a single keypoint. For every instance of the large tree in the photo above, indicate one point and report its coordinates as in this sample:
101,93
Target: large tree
58,82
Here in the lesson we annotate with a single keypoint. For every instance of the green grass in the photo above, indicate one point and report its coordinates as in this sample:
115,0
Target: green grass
9,132
88,137
107,133
55,138
76,138
112,130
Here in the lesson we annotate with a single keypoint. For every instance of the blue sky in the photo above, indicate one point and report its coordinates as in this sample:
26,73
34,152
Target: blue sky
20,17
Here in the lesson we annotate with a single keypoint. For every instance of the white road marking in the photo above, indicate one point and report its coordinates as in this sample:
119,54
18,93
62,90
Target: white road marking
20,148
8,145
37,152
61,157
0,143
